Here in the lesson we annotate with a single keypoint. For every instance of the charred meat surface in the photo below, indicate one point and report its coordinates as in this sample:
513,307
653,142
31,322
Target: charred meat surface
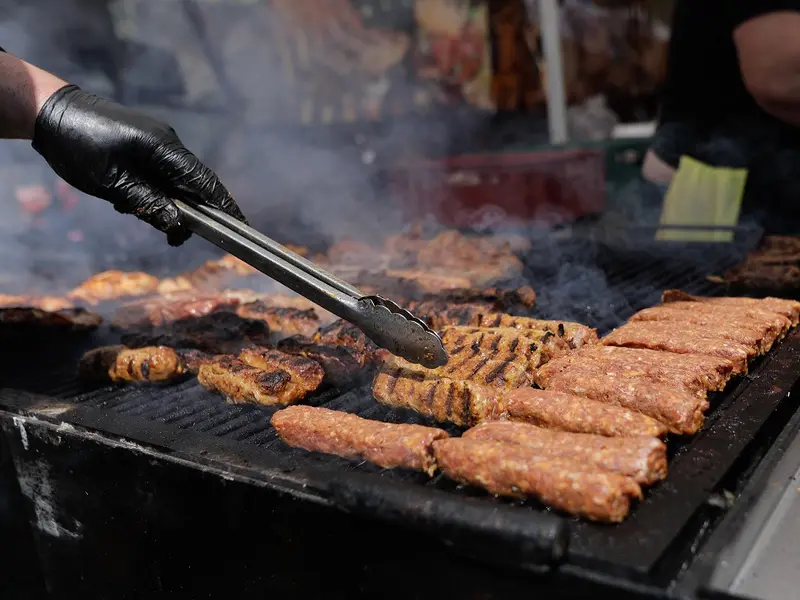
473,363
387,445
643,459
150,364
306,373
242,383
446,400
282,321
515,471
537,347
66,319
343,366
656,335
113,285
219,332
567,412
492,345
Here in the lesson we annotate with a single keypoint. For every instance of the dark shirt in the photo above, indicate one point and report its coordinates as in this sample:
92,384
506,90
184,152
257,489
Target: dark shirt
707,112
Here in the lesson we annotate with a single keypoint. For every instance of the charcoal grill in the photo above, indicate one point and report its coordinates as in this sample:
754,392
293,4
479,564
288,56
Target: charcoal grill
170,490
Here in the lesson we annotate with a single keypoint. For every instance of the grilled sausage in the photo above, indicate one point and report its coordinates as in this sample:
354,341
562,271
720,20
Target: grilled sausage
387,445
515,471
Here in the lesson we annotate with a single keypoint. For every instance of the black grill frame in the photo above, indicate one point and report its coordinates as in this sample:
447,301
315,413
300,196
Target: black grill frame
649,547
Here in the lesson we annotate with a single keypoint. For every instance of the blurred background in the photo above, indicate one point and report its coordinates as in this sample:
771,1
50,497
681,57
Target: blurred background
342,118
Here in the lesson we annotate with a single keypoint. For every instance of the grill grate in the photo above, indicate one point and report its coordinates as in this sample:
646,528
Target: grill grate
576,280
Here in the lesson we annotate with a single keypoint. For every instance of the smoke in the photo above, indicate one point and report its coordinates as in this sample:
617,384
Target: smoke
295,107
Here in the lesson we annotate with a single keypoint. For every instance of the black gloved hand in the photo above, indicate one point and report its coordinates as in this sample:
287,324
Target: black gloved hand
121,155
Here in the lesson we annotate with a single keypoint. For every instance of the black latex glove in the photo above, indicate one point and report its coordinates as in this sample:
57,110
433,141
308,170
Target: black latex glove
121,155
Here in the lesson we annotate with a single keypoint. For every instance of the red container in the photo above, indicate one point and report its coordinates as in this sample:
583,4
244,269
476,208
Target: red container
548,187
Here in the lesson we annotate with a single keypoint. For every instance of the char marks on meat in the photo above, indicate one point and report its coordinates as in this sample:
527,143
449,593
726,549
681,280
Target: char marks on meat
242,383
387,445
463,403
149,364
219,332
306,374
282,321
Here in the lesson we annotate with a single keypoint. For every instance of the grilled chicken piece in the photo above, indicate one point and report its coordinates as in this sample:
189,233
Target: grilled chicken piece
113,285
283,322
150,364
343,366
65,319
306,373
242,383
441,313
462,403
172,285
410,282
475,364
46,303
218,332
481,260
172,307
344,352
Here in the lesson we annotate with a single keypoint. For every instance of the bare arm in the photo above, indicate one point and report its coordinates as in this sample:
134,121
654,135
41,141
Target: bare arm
769,58
23,90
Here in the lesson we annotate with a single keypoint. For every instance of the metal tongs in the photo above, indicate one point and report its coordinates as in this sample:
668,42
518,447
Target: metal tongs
384,322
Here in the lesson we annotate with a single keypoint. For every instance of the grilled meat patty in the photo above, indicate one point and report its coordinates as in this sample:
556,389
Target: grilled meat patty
242,383
113,285
567,412
219,332
643,459
306,373
515,471
387,445
148,364
657,335
446,400
66,319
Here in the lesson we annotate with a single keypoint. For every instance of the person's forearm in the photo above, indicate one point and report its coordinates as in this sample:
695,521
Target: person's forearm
23,90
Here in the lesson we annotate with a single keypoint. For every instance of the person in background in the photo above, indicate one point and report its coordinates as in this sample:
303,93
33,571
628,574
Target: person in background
105,149
731,98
